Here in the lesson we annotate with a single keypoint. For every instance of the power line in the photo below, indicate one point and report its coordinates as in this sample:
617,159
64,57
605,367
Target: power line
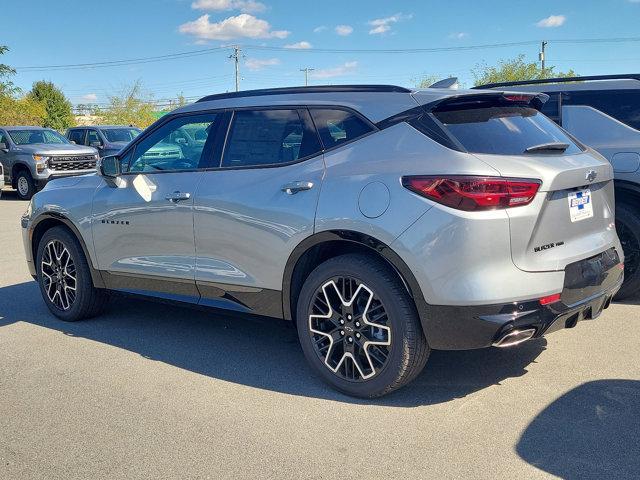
207,51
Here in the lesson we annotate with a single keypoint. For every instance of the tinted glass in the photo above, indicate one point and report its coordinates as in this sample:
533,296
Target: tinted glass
551,108
503,130
623,105
338,126
29,137
170,149
124,135
268,137
93,137
77,136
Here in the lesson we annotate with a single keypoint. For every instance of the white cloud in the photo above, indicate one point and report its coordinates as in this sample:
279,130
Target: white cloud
89,97
383,25
258,64
299,45
552,21
459,35
322,28
240,26
344,30
247,6
339,71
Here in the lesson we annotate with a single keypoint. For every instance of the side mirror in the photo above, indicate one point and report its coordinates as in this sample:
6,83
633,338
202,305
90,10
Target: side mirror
72,141
96,144
109,166
4,147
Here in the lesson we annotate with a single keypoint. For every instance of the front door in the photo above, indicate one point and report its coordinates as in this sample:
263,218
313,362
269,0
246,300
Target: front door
253,210
143,224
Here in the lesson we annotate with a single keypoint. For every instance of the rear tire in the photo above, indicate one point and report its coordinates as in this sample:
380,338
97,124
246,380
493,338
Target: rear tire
25,185
628,227
359,328
65,279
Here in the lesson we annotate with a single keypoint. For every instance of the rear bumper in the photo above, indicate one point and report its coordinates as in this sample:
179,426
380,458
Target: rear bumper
589,287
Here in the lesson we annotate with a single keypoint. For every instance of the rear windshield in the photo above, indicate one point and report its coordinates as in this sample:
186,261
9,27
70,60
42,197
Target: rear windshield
504,130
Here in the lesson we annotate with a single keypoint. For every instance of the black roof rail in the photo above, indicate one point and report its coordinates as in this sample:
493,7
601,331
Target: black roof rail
314,89
624,76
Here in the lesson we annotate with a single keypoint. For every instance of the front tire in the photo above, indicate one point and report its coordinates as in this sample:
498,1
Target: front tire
65,279
25,185
359,328
628,228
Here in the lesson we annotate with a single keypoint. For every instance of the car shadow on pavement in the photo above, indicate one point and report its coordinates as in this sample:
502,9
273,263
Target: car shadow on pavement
261,353
591,432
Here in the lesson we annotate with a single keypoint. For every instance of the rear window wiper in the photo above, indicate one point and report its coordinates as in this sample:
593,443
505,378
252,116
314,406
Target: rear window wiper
551,146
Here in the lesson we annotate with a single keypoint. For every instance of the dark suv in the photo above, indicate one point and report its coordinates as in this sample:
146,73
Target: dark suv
108,139
603,112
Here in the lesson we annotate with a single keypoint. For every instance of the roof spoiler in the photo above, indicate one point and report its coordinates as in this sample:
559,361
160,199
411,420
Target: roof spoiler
627,76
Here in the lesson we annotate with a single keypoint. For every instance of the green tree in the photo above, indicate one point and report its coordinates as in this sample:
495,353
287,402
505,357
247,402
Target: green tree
58,109
6,72
515,69
21,111
129,107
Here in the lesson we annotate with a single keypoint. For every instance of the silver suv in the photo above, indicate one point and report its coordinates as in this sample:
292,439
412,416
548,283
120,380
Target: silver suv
383,222
31,156
603,111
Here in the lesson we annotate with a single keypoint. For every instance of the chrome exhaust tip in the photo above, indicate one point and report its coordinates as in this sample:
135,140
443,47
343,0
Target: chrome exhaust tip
514,337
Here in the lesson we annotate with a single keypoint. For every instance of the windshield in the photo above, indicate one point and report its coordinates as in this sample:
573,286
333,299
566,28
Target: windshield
30,137
505,130
120,134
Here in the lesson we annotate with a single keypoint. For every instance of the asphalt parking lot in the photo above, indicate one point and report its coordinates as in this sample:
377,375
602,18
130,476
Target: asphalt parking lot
156,391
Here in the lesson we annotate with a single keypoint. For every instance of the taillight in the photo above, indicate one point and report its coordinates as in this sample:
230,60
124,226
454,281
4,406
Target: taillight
474,193
548,300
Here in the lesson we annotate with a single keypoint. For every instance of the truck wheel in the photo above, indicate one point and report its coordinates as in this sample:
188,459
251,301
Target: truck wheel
25,185
628,228
65,279
359,328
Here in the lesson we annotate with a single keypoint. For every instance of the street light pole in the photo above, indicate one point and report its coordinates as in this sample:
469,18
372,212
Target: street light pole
306,75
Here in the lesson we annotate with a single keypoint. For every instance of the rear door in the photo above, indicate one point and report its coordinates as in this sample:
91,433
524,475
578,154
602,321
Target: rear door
255,207
143,224
572,216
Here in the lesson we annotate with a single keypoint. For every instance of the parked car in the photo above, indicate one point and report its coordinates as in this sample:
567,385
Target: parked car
32,156
384,222
1,179
604,112
108,139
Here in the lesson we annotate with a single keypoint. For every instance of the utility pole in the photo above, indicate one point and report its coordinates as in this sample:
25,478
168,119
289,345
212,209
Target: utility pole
541,56
306,75
237,53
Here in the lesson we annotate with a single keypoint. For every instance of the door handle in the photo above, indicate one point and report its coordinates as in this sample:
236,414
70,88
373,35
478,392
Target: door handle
295,187
176,196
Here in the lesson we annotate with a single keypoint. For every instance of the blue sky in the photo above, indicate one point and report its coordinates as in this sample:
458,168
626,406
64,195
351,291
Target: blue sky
76,31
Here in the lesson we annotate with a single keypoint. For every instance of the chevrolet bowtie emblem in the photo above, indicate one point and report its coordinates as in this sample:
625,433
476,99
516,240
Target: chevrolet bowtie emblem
591,175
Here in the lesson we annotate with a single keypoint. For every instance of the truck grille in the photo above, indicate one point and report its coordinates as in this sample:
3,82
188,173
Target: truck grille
72,162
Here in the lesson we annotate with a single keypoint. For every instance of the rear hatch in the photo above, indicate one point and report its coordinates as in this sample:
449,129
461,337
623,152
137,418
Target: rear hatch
572,215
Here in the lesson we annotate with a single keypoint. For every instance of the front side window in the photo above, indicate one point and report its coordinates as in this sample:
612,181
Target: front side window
93,137
338,126
120,134
77,136
169,149
623,105
268,137
32,136
505,130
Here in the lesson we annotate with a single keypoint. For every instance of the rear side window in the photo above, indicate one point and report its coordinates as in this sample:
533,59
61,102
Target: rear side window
338,126
503,130
77,136
268,137
623,105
